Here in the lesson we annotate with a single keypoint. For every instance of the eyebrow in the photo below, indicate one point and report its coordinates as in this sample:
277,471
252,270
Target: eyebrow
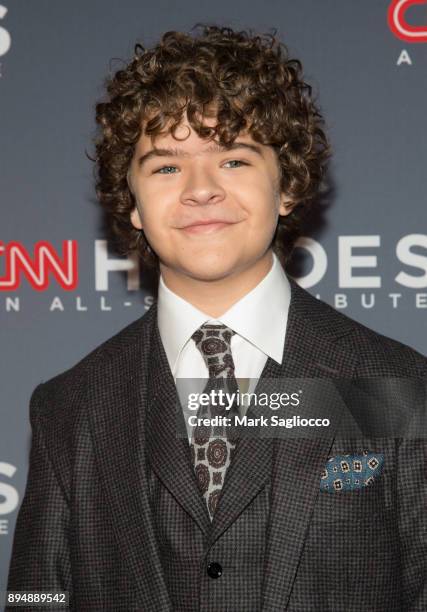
215,148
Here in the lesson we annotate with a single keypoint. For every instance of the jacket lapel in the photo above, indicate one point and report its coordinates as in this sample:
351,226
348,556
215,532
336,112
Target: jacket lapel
309,353
316,347
168,454
117,401
246,476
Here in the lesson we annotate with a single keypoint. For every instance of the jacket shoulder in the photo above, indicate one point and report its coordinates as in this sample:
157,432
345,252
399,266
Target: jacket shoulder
65,388
379,355
404,357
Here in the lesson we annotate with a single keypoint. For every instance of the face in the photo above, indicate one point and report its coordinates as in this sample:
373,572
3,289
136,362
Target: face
207,212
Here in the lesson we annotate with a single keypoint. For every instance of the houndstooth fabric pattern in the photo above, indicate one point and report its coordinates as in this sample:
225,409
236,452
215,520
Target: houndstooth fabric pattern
112,518
212,448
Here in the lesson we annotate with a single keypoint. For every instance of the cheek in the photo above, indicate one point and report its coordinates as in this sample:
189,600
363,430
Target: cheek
155,226
258,194
263,208
262,223
152,212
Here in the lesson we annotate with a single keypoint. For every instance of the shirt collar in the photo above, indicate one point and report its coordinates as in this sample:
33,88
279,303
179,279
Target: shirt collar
260,316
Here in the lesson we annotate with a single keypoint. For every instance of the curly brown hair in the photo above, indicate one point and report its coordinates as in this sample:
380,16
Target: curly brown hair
248,82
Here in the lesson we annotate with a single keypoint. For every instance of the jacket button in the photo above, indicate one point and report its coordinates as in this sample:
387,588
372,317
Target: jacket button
214,570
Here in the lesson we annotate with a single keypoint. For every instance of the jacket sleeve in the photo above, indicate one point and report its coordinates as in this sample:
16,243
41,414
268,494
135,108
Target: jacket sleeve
40,553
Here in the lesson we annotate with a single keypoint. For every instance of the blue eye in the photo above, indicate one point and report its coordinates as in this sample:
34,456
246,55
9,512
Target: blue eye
166,169
238,161
159,171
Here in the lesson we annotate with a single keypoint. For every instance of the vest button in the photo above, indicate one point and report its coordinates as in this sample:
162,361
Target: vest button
214,570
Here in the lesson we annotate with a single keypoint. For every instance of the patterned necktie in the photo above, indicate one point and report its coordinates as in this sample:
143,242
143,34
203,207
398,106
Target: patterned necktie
212,448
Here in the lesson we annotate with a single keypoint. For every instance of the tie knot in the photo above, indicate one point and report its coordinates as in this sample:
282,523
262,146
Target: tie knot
213,341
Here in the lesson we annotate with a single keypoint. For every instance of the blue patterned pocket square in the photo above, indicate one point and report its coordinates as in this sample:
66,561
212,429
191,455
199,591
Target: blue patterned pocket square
351,472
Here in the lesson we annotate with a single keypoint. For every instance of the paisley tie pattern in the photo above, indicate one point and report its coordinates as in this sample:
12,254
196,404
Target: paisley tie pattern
212,448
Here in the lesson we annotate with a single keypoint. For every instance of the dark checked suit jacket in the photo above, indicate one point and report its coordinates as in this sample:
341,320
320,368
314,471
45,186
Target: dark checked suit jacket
110,489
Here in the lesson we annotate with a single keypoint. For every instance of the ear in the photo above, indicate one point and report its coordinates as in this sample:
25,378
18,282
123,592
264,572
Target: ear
286,205
129,182
135,218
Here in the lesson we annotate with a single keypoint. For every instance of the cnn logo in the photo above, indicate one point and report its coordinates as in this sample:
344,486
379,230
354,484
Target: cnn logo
398,24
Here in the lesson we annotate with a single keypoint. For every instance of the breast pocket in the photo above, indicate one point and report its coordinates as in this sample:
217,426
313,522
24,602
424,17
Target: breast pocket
367,502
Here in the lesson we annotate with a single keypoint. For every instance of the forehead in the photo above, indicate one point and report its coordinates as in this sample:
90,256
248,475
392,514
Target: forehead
186,138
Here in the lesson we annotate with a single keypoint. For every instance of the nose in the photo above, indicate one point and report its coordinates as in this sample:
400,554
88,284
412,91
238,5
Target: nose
201,188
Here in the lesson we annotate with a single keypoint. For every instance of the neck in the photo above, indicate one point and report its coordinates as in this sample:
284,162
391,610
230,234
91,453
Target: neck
215,297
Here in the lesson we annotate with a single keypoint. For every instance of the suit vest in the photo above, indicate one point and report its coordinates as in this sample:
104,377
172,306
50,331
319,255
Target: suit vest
204,572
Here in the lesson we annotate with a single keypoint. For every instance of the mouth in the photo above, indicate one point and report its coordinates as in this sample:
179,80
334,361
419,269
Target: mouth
206,227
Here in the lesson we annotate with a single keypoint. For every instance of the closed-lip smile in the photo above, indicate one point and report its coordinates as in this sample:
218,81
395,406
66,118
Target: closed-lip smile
207,225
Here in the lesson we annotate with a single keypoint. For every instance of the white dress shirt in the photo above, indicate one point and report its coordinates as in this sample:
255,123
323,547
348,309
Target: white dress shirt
259,319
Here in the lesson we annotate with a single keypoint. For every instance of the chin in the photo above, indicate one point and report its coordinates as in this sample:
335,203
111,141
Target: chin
209,271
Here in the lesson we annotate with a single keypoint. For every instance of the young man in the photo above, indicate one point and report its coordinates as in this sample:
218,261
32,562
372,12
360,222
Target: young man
211,153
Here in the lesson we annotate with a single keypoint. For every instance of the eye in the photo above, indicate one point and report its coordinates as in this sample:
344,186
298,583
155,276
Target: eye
159,171
237,161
